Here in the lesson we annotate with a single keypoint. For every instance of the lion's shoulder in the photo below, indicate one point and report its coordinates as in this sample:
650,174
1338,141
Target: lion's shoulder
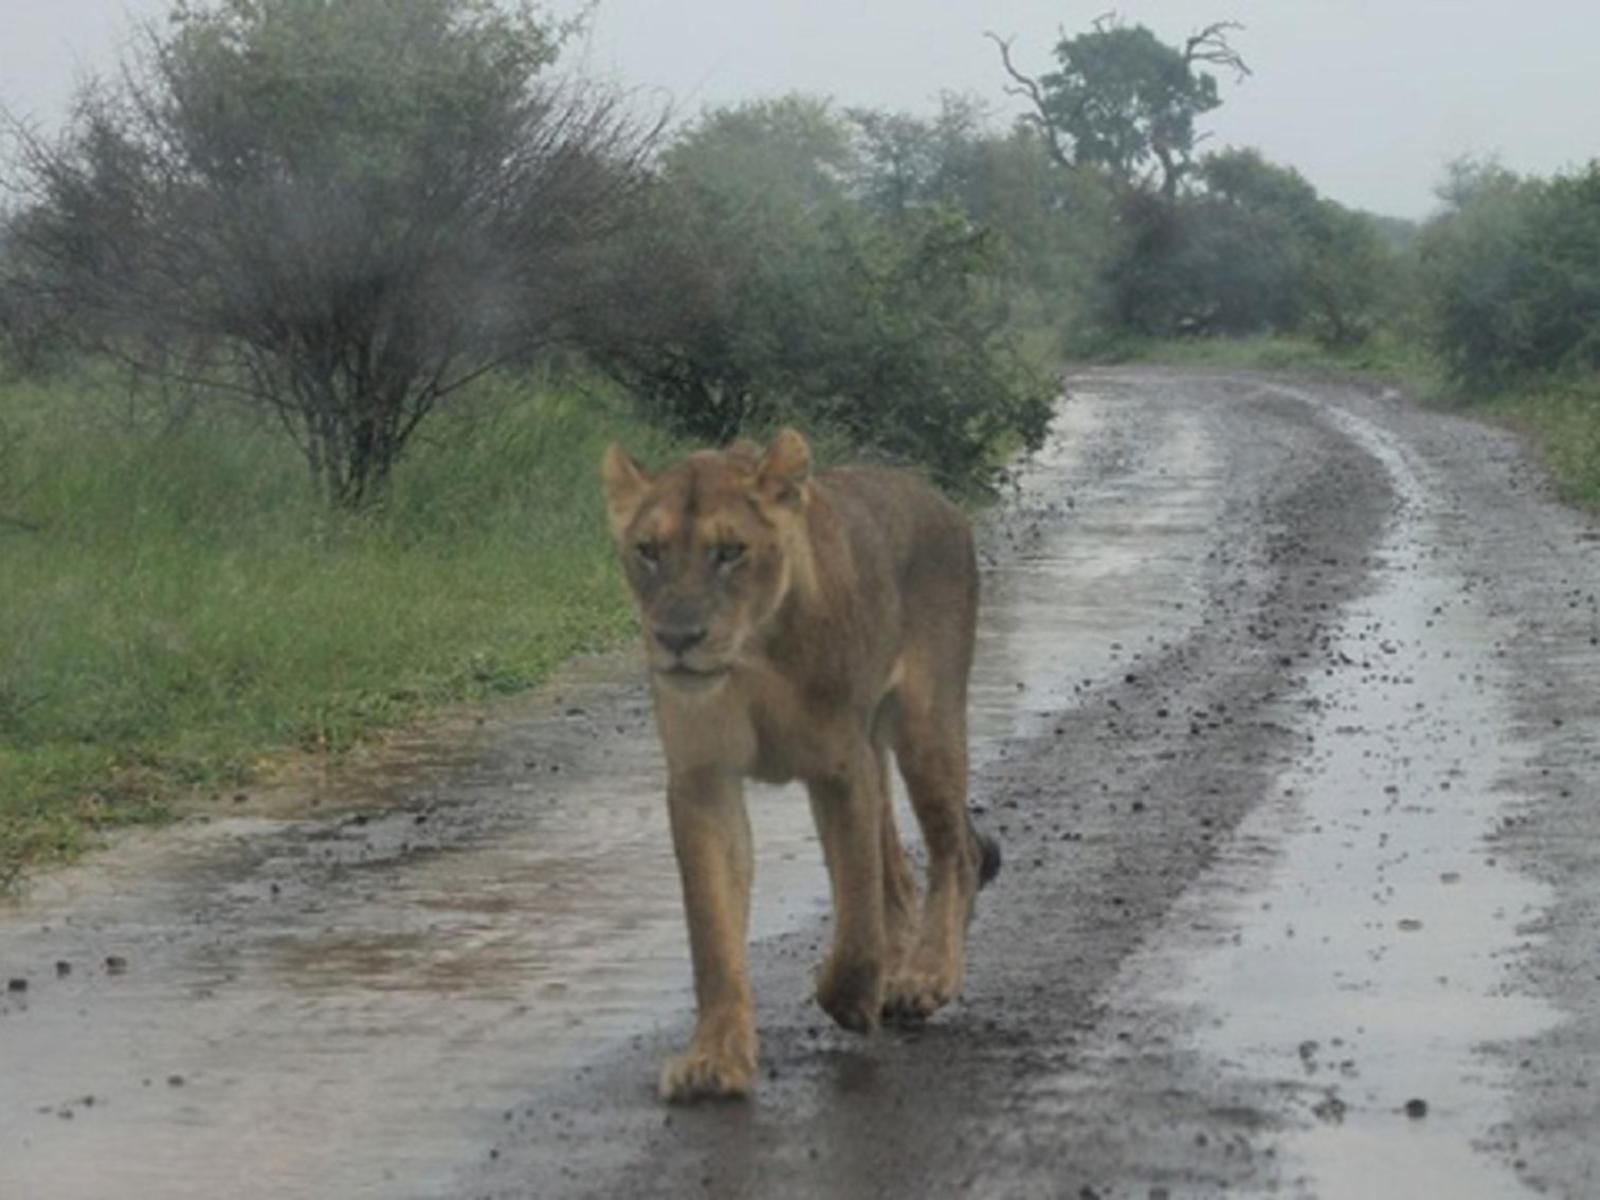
896,515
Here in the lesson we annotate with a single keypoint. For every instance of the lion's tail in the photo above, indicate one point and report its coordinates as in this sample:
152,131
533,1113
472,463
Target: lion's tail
988,855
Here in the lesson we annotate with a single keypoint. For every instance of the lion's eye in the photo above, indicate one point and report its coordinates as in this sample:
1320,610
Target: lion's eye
725,554
648,552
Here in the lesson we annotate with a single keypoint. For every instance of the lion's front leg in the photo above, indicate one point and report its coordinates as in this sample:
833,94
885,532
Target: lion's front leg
849,813
711,834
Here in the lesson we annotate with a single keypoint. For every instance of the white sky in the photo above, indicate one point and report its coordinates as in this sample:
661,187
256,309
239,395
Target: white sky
1368,98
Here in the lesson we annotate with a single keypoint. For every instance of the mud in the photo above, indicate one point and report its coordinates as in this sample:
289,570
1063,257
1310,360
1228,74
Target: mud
1285,719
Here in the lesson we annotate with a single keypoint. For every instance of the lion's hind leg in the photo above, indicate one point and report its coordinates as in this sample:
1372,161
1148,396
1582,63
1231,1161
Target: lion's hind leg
931,748
902,903
850,810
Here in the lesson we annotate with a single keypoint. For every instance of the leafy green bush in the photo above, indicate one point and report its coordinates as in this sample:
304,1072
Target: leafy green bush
757,290
1511,272
1564,244
1254,250
177,601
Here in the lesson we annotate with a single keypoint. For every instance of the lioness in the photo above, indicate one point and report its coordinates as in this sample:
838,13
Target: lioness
801,626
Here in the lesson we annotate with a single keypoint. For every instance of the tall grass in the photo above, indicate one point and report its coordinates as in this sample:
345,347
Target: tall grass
176,602
1562,415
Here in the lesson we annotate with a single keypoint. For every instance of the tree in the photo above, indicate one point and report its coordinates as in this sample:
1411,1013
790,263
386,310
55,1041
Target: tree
1564,244
1347,273
1477,274
1510,273
728,265
757,288
1124,106
1251,249
1053,227
1242,246
1126,102
30,332
342,210
902,161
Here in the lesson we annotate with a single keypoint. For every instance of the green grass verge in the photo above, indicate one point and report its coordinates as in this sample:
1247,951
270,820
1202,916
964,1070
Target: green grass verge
177,606
1562,416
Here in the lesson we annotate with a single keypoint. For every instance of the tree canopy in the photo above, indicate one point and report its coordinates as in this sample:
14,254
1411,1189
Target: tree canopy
758,286
1124,101
340,209
1511,268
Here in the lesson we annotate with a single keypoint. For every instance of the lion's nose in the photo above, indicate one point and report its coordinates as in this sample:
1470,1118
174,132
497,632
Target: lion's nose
680,640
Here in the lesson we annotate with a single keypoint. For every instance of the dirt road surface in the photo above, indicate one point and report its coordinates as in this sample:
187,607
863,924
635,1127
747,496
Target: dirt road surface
1286,717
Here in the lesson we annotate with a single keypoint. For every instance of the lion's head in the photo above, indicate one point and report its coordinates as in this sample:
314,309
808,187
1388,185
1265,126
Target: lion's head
711,545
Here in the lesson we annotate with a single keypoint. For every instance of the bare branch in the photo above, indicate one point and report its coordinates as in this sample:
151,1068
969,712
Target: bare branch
161,370
1210,45
1028,88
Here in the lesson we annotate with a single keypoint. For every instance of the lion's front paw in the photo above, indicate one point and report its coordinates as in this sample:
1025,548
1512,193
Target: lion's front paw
915,995
720,1061
700,1075
851,993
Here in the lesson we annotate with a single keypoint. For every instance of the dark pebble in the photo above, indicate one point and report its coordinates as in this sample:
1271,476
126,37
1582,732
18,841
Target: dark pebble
1416,1109
16,985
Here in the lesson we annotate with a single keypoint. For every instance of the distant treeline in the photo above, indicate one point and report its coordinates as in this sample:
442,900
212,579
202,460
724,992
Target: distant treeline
343,212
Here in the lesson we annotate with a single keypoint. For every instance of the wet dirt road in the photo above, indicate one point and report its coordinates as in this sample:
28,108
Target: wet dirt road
1287,720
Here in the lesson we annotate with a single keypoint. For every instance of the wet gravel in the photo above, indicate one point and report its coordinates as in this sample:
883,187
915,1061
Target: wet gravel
392,984
1105,817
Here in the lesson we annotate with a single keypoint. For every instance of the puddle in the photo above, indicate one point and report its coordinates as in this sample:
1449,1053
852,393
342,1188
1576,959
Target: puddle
1108,569
344,1006
1366,965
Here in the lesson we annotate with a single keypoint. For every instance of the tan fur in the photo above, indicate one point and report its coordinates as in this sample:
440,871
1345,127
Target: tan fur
802,626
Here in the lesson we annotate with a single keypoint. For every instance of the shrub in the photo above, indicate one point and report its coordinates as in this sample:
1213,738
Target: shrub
1511,272
756,289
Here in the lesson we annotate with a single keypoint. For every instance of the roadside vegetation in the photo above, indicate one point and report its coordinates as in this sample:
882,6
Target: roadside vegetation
1493,308
178,603
315,318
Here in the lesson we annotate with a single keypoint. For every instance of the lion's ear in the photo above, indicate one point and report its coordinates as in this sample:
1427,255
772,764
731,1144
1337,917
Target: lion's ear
785,468
624,483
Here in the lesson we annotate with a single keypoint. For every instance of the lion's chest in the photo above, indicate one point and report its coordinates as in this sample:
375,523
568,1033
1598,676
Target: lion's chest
762,726
796,735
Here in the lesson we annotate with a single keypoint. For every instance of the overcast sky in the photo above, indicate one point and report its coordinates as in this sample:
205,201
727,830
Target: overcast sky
1368,98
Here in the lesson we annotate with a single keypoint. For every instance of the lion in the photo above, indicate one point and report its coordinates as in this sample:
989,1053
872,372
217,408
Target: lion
804,626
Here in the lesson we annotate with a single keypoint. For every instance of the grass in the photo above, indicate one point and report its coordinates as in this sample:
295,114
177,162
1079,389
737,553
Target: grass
178,610
1563,417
